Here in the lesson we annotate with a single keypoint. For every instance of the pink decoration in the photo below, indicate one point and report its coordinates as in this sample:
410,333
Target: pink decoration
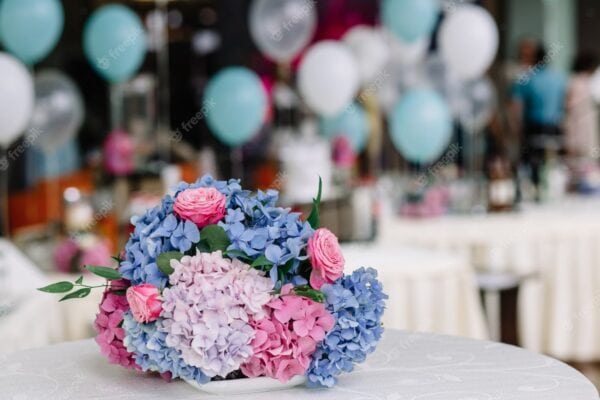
287,337
343,153
326,258
202,206
145,302
107,325
69,256
119,152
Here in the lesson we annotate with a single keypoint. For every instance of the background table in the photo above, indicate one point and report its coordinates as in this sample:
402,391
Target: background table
430,291
406,366
557,246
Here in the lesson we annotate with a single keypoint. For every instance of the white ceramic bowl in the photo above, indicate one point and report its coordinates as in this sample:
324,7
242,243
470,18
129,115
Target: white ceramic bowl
250,385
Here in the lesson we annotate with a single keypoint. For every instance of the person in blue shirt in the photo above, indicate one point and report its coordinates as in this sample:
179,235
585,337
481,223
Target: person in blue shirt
539,101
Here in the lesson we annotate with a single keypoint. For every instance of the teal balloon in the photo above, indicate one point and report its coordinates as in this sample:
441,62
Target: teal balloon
235,103
352,123
421,126
114,42
410,20
30,29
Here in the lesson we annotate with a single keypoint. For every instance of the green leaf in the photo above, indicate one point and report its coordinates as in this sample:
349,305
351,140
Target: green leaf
105,272
215,237
313,294
78,294
236,254
164,261
313,217
203,247
79,280
261,261
58,287
117,259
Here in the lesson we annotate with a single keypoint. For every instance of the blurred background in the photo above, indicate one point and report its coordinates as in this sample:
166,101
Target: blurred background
457,142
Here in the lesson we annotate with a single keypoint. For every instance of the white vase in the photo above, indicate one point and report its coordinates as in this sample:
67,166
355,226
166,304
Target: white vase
249,385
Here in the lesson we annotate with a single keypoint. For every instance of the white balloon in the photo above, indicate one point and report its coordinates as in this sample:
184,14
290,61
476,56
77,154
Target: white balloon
328,77
404,53
469,41
595,85
16,99
370,49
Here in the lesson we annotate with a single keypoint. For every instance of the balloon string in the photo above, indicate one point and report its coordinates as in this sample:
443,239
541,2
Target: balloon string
237,162
53,165
4,185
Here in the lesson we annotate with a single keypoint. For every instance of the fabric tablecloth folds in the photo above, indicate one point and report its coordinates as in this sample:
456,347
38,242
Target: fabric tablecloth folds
555,249
29,318
405,366
430,291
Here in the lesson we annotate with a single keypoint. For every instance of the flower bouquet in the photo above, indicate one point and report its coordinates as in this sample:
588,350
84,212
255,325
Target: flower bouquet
218,283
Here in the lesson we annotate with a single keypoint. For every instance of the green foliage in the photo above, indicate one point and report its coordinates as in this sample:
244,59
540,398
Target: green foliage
58,287
105,272
213,238
78,294
313,294
313,217
164,261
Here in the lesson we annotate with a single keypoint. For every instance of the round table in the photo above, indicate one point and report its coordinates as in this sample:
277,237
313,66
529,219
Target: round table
430,291
555,248
405,366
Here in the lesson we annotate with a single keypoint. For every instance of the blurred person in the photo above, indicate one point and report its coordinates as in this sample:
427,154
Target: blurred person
581,125
538,98
526,58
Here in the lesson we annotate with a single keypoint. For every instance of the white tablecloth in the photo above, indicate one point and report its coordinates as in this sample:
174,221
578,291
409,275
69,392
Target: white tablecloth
30,318
430,291
406,366
558,246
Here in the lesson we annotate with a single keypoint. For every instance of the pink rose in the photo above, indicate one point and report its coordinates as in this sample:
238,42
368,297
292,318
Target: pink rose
202,206
145,302
326,258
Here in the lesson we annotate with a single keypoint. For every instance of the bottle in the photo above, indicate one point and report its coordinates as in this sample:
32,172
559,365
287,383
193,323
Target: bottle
501,185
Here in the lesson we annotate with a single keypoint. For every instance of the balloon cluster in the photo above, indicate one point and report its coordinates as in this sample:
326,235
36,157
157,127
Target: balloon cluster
421,121
50,104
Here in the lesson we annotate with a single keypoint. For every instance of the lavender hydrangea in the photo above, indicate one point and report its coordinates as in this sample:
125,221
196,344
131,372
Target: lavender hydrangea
357,303
151,353
207,310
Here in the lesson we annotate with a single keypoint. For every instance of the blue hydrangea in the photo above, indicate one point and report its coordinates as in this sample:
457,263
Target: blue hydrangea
259,228
253,224
256,227
151,353
357,303
155,232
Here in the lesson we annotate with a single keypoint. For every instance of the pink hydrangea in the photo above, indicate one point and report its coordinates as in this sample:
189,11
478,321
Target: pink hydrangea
202,206
288,337
107,325
206,311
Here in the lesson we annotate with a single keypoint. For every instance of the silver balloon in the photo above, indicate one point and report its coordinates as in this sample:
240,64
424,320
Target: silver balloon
480,101
438,77
58,110
282,28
